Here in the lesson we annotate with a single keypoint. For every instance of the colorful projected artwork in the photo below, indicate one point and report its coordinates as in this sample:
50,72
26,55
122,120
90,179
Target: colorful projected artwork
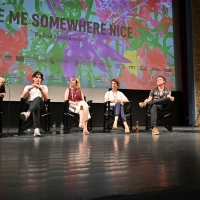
95,40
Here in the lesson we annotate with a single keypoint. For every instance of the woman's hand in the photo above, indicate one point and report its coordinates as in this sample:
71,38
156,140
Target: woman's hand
74,103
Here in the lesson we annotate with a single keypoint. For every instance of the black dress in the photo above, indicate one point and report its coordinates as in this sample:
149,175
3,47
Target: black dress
2,89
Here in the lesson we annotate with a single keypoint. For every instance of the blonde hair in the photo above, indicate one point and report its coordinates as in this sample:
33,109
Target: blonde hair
78,84
2,80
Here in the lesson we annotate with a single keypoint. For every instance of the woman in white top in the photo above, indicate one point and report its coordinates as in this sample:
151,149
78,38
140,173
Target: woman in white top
117,99
35,94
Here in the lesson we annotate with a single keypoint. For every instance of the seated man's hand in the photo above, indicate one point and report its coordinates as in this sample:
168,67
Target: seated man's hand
171,98
36,85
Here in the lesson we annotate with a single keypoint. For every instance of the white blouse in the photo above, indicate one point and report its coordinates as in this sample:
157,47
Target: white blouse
111,96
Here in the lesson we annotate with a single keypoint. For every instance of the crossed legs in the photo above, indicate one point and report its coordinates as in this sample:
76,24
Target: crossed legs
82,122
34,109
153,107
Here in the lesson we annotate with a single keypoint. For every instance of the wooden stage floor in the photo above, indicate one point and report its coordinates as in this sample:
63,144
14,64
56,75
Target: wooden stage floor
101,165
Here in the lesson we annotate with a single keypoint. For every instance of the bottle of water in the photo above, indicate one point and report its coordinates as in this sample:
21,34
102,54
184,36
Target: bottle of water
61,127
54,126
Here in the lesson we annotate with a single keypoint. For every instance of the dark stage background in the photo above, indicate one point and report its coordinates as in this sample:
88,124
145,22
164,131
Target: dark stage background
135,96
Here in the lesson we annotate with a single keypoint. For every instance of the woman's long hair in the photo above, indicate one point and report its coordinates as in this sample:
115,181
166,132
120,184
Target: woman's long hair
78,84
1,81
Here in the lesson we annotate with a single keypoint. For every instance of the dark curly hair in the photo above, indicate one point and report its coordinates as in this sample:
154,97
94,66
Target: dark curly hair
37,73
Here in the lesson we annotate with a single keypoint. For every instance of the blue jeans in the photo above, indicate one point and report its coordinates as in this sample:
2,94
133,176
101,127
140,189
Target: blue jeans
35,106
119,111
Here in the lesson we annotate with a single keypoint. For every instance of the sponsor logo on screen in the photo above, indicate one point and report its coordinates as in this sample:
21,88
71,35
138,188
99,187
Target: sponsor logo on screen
7,57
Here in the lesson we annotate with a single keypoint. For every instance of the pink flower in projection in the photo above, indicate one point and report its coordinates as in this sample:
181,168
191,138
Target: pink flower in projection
11,44
167,22
149,7
84,4
121,12
129,79
155,63
156,6
28,71
163,3
156,59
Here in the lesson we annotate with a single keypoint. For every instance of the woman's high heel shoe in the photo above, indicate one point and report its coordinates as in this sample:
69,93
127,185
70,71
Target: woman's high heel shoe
127,130
86,132
80,126
114,126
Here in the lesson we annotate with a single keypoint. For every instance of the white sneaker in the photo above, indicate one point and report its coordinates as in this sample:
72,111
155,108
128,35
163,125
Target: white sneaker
37,132
24,116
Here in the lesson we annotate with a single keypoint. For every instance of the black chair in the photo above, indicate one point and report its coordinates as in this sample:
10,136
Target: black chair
164,117
45,113
108,117
1,114
71,119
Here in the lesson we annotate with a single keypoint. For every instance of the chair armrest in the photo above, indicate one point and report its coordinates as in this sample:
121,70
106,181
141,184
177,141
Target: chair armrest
90,104
127,103
106,106
47,104
1,103
47,100
107,103
22,99
23,104
66,106
128,106
67,101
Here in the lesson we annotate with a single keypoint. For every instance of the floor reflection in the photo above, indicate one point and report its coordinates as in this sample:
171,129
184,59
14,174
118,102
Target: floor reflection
78,166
